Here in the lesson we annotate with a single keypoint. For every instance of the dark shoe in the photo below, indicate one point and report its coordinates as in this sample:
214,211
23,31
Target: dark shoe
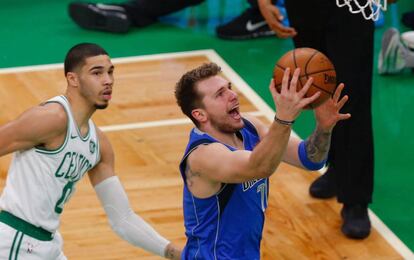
408,19
356,223
109,18
324,187
248,25
392,59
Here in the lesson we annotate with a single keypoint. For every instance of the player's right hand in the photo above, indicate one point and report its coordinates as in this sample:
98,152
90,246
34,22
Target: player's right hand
289,102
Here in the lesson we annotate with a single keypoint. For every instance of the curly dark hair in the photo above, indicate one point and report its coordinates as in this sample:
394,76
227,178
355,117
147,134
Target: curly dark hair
185,90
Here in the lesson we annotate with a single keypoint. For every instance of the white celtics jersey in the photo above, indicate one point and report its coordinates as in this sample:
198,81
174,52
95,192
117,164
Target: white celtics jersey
40,181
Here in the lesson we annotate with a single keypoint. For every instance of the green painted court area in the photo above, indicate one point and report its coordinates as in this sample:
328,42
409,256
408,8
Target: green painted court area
40,32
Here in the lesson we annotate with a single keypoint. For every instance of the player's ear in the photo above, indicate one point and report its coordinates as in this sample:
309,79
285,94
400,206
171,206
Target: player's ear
72,79
199,114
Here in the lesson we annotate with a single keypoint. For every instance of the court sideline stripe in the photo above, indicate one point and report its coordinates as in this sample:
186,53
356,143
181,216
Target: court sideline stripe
159,123
149,57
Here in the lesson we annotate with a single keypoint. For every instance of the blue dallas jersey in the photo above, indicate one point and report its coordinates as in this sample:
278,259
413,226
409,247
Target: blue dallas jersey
229,224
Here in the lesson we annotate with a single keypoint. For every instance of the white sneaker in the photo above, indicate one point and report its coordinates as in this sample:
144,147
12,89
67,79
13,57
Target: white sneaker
408,39
391,59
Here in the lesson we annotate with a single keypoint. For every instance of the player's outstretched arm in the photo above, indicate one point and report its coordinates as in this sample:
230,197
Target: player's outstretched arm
40,125
125,223
217,163
312,153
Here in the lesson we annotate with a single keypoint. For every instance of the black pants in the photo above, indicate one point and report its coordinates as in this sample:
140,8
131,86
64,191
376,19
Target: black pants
146,12
347,39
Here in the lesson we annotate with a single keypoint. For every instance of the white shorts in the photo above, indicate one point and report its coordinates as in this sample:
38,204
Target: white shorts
16,245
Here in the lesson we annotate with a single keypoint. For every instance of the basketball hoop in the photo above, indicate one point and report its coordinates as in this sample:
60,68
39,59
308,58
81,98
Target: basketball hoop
370,10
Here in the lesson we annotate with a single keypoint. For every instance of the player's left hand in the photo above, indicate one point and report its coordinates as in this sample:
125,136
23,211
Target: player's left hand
172,251
327,114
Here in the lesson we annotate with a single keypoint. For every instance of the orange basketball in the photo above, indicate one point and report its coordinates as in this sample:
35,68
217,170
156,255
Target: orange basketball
312,63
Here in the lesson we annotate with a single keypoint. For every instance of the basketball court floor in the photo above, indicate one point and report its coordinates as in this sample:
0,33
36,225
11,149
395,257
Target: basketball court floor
149,133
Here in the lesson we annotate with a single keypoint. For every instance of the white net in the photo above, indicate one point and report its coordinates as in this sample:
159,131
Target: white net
370,9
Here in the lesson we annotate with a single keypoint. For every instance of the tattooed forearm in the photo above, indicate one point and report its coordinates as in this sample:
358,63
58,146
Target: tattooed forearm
317,145
190,176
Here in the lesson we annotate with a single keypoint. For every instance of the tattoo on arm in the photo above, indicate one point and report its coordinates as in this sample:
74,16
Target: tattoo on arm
190,176
317,145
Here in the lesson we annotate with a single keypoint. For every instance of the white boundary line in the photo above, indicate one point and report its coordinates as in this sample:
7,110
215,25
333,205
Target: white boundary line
31,68
114,60
264,109
168,122
391,238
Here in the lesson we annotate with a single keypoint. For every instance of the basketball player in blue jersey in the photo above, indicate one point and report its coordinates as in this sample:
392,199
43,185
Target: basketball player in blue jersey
55,144
229,159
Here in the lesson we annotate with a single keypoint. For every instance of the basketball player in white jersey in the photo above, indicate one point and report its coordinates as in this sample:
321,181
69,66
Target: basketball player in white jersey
55,144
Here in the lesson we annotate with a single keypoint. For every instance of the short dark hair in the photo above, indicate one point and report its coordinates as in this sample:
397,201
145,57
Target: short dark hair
77,55
185,92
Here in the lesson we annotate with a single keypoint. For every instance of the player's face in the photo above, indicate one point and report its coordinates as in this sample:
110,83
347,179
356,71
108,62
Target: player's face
96,80
221,104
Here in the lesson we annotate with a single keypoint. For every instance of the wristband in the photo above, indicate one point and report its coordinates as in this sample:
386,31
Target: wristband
283,122
308,164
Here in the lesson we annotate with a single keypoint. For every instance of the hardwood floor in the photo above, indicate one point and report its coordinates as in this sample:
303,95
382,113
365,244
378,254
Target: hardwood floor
147,158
